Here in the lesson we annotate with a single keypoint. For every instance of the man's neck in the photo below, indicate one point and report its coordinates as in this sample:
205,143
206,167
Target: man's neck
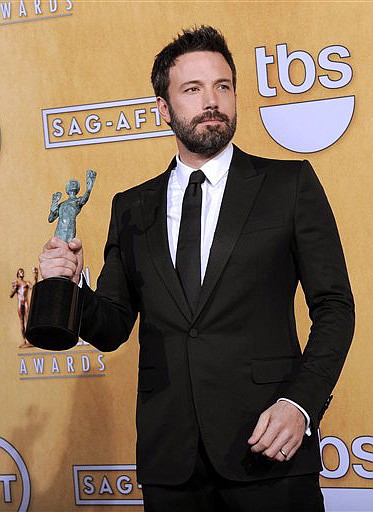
195,160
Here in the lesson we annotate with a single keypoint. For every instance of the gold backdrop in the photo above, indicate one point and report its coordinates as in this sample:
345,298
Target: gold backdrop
75,94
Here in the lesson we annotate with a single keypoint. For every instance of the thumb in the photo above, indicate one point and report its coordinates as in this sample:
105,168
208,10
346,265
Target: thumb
76,245
259,429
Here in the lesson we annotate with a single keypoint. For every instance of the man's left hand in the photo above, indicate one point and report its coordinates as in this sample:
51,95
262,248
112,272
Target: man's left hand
279,432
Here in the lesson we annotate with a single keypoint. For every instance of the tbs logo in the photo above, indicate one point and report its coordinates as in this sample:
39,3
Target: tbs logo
306,126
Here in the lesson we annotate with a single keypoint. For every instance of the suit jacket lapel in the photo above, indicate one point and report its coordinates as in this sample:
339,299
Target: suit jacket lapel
154,203
243,185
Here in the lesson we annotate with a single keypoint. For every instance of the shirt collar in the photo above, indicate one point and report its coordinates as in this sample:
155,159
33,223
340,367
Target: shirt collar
213,169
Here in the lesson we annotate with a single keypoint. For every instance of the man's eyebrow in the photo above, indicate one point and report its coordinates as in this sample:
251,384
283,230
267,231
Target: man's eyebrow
200,82
191,82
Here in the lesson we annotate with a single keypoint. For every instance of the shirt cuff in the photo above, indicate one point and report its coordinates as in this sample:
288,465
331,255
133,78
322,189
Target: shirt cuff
308,419
83,280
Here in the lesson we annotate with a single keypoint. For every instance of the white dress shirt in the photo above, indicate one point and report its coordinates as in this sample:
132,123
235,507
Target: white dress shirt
216,172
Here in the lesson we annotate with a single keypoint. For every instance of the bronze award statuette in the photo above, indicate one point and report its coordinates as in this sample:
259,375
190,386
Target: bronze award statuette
56,302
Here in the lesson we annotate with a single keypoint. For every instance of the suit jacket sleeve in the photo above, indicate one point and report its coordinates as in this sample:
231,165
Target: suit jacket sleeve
110,312
323,275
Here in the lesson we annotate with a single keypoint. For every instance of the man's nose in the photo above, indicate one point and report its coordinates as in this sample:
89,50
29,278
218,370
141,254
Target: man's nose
210,100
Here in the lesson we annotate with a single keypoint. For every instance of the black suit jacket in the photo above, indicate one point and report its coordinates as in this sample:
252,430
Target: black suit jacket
217,370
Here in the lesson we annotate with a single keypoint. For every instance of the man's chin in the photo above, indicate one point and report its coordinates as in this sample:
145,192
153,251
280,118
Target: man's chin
208,151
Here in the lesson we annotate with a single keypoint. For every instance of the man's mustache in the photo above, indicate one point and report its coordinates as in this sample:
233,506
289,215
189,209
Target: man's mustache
211,115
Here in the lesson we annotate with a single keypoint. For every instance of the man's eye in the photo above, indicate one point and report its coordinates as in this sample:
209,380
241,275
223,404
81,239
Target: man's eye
224,87
191,89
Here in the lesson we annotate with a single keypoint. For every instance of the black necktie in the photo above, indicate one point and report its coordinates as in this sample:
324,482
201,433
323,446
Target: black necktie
188,254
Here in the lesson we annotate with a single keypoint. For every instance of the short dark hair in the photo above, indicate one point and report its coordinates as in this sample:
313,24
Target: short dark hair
203,38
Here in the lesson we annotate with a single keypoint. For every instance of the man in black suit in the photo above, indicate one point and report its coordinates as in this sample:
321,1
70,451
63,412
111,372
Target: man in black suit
210,254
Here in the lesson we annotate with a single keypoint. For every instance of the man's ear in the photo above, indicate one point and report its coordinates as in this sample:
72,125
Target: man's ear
163,109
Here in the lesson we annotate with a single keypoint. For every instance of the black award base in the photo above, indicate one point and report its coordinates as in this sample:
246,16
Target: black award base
55,314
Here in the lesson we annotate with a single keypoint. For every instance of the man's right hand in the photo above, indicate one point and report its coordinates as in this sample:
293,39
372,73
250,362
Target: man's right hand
60,258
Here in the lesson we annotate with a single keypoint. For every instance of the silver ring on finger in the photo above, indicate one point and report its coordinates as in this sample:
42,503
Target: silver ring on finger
283,453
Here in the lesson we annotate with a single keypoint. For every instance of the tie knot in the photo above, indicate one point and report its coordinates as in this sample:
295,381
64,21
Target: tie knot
197,177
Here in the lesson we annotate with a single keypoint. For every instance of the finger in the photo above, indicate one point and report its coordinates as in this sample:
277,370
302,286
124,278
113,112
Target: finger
292,450
280,443
283,435
58,251
58,254
75,245
266,441
55,242
289,449
281,456
60,263
57,272
259,429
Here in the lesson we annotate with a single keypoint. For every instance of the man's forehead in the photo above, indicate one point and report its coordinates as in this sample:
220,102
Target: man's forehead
189,65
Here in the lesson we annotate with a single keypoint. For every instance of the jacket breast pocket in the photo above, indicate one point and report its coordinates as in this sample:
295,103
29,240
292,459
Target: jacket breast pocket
267,371
274,221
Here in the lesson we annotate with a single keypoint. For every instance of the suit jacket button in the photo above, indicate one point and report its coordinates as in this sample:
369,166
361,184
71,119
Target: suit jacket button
193,333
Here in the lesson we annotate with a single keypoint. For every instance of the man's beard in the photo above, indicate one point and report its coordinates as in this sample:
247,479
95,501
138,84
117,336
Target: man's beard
209,141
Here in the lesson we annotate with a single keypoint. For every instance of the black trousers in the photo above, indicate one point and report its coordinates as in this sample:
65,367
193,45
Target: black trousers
207,491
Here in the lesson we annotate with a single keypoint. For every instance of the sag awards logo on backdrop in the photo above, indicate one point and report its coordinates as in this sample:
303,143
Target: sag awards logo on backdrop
15,488
106,485
34,364
98,123
306,126
33,10
98,485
